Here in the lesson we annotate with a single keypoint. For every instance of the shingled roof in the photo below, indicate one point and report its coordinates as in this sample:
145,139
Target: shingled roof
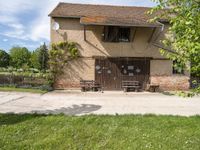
127,14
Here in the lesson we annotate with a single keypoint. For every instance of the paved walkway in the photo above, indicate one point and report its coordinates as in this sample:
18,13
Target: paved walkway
76,103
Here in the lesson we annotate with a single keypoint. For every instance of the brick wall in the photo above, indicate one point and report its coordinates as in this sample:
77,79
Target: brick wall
174,82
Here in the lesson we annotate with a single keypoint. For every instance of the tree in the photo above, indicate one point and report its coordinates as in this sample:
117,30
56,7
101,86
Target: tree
39,58
35,59
43,57
184,17
4,59
20,56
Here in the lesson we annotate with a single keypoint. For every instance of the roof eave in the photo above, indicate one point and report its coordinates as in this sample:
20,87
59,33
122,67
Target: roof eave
124,25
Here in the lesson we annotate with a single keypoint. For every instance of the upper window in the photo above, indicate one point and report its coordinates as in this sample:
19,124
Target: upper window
177,68
116,34
124,34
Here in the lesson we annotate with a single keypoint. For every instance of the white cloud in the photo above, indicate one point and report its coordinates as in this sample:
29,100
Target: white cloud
10,13
5,40
41,25
16,6
23,44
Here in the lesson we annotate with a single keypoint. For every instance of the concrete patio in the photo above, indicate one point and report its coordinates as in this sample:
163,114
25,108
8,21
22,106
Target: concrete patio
77,103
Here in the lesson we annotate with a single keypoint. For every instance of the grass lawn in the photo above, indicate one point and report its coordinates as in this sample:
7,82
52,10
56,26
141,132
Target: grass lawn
13,89
127,132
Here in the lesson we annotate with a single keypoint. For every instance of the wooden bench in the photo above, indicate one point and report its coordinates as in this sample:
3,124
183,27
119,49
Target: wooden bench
88,85
153,87
128,85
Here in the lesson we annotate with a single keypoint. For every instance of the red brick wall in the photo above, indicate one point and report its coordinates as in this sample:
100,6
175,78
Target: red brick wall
174,82
66,85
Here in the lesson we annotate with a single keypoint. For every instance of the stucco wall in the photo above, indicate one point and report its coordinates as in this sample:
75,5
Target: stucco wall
76,70
161,74
161,67
72,30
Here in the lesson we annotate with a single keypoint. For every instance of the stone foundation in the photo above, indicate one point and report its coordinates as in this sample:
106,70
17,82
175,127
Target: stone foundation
171,83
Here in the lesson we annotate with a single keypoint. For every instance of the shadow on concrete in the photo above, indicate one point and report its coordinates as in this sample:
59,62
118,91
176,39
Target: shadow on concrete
73,110
168,93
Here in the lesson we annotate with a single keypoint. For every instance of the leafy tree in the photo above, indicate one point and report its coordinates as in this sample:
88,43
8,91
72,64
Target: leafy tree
4,59
43,57
39,58
35,59
20,56
184,17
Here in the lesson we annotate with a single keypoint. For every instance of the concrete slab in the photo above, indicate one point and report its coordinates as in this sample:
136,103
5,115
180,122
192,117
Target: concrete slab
77,103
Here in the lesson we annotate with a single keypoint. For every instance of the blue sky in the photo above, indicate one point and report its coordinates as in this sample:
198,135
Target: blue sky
26,22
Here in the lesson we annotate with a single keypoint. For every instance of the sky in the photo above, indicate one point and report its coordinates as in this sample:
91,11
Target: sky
26,23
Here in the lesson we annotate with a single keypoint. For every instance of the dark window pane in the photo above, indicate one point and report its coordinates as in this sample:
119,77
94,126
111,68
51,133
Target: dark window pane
124,35
111,34
116,34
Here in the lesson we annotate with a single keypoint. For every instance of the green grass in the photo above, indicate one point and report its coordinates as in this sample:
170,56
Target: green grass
99,132
13,89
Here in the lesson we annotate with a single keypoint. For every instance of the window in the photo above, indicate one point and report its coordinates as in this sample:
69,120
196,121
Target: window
124,34
116,34
177,68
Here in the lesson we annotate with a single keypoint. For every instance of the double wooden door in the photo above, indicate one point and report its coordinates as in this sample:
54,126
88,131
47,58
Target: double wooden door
110,72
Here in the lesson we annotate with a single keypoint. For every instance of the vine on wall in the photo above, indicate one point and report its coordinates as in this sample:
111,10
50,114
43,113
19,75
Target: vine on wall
60,54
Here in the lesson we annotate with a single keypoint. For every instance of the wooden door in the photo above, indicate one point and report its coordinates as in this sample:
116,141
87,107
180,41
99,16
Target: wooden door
112,71
133,69
107,74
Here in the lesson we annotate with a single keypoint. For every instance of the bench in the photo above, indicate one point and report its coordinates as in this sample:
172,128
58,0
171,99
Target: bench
88,85
153,87
128,85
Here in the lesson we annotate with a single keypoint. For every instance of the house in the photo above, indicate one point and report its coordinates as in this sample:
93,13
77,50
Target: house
116,43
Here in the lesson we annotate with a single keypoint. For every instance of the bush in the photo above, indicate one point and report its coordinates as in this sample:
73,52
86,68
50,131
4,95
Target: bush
26,80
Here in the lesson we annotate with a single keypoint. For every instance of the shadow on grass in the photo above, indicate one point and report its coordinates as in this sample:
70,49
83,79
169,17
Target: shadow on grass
73,110
9,119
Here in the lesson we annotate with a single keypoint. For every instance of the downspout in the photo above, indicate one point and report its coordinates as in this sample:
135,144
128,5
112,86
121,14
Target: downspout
84,30
159,45
162,29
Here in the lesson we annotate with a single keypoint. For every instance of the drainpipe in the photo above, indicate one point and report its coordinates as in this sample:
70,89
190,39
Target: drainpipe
162,29
84,28
159,45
